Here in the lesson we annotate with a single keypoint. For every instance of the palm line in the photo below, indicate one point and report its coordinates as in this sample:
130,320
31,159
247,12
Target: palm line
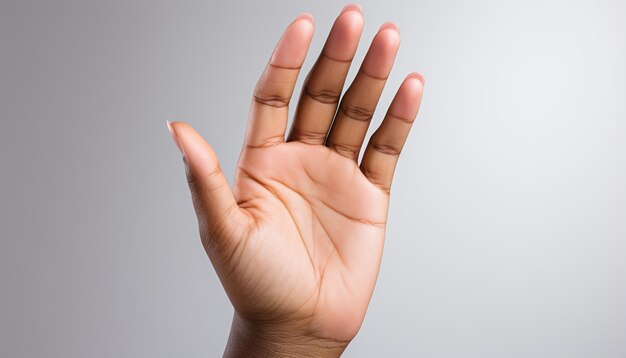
316,217
273,192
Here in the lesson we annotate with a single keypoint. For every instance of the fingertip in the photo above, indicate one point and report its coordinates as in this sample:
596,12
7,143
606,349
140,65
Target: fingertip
305,16
292,47
389,25
352,20
407,100
418,76
413,87
174,135
382,53
190,141
414,81
302,25
352,7
177,127
350,16
169,126
389,36
343,39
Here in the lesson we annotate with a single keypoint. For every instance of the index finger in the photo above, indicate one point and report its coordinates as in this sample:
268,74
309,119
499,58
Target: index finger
270,101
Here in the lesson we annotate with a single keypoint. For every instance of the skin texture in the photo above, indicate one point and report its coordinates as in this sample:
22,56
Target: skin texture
297,243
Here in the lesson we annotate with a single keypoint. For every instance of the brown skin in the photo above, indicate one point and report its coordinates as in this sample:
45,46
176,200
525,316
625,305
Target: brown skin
297,243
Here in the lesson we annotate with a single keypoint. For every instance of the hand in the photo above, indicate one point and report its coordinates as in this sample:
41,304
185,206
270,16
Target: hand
297,244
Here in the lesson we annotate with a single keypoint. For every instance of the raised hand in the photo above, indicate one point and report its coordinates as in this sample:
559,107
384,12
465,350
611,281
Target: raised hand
297,243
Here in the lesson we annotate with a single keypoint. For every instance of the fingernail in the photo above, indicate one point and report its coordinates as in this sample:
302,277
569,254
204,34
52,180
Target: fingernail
174,136
389,25
352,7
305,16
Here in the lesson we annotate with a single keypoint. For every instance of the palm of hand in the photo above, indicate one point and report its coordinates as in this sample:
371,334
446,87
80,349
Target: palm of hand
315,240
298,242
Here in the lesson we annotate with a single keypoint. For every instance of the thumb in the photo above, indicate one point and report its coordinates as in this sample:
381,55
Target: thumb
217,211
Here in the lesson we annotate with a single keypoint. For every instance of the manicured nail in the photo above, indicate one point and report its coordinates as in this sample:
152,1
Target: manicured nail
352,7
305,16
174,136
389,25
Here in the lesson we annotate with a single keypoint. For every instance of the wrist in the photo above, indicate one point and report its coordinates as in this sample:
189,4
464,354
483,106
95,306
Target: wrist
250,339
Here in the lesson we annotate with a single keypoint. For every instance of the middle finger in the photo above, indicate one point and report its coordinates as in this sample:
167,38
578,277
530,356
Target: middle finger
360,100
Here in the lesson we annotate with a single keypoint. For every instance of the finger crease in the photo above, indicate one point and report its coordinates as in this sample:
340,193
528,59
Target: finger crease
357,113
308,136
275,101
284,67
324,54
386,149
402,119
323,96
363,72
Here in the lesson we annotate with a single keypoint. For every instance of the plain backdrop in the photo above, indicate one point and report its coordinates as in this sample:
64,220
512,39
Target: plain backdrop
507,234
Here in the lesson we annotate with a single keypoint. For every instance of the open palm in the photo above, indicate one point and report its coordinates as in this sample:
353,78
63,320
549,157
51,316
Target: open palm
297,244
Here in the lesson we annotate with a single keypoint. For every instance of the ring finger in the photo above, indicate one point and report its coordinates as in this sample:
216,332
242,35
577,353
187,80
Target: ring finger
358,104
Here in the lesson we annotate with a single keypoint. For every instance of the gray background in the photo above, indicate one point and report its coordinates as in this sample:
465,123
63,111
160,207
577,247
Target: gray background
507,227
